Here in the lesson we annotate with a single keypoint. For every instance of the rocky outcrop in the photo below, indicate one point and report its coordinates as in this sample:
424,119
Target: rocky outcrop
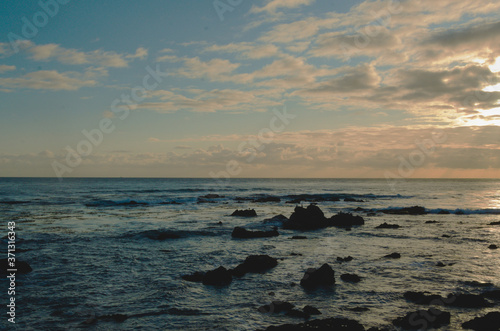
244,213
255,264
415,210
346,219
393,256
387,226
218,277
323,276
488,322
239,232
351,278
309,218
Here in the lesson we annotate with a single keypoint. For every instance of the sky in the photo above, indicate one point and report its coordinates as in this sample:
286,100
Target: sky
240,88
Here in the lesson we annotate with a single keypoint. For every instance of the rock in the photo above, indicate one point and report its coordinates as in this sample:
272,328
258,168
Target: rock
268,199
310,310
324,276
495,223
218,277
352,278
423,319
387,226
422,298
295,254
276,307
309,218
211,196
459,212
297,313
431,222
239,232
493,246
278,218
344,259
359,309
467,301
21,267
299,237
415,210
445,236
494,294
244,213
489,322
393,256
346,219
440,264
255,264
443,212
321,324
352,200
160,234
195,277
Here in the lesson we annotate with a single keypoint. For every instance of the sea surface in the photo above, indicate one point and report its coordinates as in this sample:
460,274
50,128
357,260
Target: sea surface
91,245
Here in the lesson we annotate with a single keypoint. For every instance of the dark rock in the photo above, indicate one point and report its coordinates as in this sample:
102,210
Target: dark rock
459,212
244,213
446,236
494,294
297,313
440,264
211,196
295,254
310,310
240,232
160,234
306,219
268,199
255,264
346,219
352,200
21,267
277,218
276,307
359,309
321,324
299,237
467,301
344,259
218,277
196,277
431,222
443,212
489,322
493,246
359,209
423,319
393,256
387,226
422,298
415,210
352,278
324,276
495,223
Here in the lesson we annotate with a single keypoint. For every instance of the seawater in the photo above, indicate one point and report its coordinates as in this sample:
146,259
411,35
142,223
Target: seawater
85,239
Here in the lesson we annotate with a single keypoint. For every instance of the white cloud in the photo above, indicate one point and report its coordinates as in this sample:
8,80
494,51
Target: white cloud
274,5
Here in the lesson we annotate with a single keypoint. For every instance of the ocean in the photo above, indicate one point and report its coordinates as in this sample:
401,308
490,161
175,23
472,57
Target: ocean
94,249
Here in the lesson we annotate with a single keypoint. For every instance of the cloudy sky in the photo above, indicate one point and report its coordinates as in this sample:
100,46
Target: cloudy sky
240,88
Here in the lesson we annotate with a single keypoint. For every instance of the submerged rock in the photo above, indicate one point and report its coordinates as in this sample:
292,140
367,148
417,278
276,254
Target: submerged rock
346,219
352,278
493,246
344,259
255,264
218,277
276,307
443,212
243,233
423,319
299,237
244,213
423,298
310,310
195,277
495,223
415,210
268,199
489,322
160,234
324,276
387,226
21,267
453,300
393,256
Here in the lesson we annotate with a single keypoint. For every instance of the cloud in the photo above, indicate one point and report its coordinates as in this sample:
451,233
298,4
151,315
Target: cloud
48,80
5,68
48,52
246,50
274,5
